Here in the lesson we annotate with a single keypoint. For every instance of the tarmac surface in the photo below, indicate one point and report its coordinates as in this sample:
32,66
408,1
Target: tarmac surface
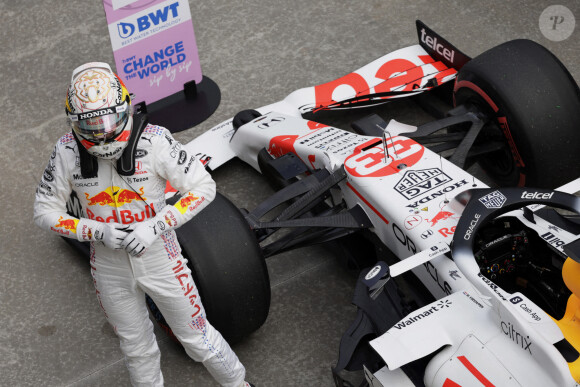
53,331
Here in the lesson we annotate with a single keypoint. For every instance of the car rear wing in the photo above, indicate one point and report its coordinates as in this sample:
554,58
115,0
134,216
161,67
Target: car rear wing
439,48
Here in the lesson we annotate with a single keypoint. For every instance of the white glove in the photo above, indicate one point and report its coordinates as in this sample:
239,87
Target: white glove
111,234
145,233
143,236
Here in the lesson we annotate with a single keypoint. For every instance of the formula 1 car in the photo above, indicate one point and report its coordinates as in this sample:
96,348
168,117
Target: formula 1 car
460,283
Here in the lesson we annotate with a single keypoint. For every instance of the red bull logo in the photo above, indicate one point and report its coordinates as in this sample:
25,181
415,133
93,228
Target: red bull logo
185,203
124,216
441,215
127,196
85,233
115,197
118,197
65,225
170,219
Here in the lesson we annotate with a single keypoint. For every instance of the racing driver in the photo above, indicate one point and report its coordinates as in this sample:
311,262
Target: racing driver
118,166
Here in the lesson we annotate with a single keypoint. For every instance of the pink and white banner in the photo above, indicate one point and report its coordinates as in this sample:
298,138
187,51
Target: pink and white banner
154,46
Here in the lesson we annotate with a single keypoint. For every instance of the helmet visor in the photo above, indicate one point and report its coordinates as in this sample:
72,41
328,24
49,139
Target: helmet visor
101,126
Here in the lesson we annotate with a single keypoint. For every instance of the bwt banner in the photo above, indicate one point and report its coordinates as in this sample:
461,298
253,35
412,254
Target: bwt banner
154,46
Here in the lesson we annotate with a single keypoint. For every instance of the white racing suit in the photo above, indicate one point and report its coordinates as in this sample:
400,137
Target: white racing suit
121,280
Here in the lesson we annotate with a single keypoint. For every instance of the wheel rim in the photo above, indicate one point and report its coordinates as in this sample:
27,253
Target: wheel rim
501,164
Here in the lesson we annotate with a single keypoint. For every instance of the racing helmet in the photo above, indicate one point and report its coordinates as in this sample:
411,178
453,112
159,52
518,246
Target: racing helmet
99,110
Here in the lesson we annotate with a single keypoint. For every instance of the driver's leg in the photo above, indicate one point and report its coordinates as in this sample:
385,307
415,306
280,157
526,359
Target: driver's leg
177,297
123,303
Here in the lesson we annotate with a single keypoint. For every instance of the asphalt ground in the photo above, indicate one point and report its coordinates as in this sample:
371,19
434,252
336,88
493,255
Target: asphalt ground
53,331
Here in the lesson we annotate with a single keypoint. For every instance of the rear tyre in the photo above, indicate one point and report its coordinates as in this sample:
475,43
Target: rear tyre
535,102
228,268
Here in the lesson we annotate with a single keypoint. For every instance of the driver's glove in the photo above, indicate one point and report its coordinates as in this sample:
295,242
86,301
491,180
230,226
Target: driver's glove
143,236
145,233
111,234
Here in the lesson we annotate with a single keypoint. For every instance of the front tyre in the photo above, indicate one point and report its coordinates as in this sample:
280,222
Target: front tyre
535,102
227,267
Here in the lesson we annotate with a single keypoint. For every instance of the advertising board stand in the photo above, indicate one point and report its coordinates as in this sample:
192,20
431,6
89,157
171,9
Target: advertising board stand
156,57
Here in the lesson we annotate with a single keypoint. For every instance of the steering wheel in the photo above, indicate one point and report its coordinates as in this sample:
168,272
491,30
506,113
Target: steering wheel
487,204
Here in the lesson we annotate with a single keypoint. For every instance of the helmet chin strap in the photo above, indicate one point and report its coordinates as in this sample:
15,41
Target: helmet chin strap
89,165
125,163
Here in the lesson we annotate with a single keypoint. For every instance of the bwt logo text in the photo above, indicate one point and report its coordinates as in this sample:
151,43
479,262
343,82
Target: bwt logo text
147,21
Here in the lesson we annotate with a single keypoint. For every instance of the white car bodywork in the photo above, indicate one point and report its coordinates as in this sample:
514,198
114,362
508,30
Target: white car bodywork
483,335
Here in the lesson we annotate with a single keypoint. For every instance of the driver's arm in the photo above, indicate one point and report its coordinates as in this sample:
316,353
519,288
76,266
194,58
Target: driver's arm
50,212
52,194
187,175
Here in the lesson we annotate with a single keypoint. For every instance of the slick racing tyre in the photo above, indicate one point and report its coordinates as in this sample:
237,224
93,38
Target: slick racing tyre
228,268
535,105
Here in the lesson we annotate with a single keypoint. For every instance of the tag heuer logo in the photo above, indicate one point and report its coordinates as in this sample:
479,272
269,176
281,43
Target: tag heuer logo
416,183
494,199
